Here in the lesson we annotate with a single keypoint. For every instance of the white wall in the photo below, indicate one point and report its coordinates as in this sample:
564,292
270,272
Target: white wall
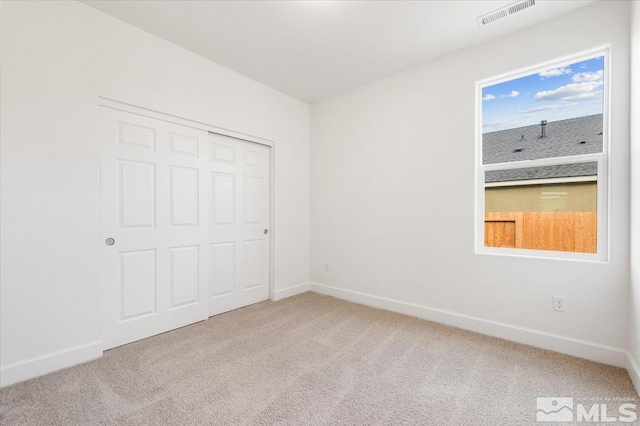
57,59
392,199
634,323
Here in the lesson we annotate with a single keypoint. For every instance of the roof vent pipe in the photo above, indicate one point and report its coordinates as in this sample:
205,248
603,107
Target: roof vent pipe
543,126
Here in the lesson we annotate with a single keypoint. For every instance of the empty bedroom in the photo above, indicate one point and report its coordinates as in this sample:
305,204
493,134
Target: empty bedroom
316,212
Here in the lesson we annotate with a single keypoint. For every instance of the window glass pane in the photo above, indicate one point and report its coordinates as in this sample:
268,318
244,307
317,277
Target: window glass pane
553,113
542,208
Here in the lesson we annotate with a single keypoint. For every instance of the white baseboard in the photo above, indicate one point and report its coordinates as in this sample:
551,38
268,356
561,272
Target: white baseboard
580,348
48,363
290,291
634,371
40,365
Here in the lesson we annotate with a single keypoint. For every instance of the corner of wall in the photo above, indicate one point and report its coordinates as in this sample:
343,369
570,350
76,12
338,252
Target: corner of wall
290,291
634,299
634,372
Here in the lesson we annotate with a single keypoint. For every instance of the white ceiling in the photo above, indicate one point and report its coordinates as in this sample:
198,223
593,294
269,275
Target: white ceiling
315,49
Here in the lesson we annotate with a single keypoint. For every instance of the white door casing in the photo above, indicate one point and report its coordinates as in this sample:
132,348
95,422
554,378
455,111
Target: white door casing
239,223
156,196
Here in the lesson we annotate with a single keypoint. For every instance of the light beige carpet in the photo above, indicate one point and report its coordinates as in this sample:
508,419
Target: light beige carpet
310,360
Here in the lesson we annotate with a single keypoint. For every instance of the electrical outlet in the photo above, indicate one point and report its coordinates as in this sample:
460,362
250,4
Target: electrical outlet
327,267
560,303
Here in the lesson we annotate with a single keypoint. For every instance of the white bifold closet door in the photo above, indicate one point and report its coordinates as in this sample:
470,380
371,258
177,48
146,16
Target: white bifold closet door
163,261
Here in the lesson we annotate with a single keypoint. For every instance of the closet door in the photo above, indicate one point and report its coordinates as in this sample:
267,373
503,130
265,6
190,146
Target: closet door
155,227
238,223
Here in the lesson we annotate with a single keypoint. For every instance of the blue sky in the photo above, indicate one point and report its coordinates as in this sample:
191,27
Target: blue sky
555,94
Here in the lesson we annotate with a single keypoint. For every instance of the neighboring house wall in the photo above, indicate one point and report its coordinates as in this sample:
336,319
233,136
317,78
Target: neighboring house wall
393,198
569,197
57,59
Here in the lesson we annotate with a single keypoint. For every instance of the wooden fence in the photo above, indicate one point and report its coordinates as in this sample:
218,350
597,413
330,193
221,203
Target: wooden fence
559,231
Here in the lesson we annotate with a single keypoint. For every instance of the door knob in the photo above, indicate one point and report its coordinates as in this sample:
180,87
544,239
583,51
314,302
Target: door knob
109,241
266,231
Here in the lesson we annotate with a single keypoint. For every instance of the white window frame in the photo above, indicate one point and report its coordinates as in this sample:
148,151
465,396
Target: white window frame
602,213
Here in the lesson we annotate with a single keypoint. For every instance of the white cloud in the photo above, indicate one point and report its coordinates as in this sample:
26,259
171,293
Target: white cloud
584,96
553,107
571,92
555,72
511,94
587,76
488,97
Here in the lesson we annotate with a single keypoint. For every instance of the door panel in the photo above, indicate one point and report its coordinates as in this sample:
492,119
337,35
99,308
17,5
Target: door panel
223,265
155,275
252,263
137,194
184,144
252,199
223,153
240,216
137,283
184,196
184,263
224,193
135,134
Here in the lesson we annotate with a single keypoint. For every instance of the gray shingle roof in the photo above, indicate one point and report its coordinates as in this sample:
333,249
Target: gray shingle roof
563,170
563,138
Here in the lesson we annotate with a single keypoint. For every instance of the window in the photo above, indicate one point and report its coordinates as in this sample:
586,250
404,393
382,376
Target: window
542,158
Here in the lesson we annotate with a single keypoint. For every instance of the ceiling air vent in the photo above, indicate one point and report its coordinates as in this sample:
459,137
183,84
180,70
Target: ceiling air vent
505,11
